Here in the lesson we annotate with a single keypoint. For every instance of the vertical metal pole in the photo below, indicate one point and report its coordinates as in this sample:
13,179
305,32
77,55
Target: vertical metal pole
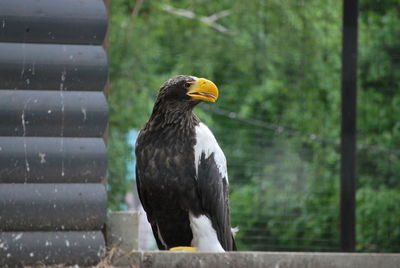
348,129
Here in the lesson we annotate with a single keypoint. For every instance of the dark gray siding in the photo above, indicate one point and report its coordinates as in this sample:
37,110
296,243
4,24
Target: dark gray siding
53,117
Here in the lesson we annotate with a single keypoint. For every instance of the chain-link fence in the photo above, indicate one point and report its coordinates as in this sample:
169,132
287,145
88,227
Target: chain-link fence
278,117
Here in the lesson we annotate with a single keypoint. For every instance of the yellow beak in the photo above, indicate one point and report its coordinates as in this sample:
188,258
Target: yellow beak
203,89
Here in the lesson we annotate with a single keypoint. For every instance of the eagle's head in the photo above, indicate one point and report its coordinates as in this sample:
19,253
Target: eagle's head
188,89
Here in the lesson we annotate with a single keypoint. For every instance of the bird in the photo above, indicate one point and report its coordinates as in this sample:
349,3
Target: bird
181,171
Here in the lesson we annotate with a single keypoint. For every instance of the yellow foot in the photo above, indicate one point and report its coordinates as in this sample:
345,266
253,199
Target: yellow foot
187,249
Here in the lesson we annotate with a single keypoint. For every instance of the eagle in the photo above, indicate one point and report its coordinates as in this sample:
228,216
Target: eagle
181,171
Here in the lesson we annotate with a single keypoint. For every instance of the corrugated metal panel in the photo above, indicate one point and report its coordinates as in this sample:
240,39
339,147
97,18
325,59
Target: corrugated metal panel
53,115
53,21
51,207
52,67
67,248
52,160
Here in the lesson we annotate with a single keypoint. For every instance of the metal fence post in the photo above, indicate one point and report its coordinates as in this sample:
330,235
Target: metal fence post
348,128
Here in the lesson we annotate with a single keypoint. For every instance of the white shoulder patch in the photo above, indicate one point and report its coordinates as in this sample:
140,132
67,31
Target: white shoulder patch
207,144
204,235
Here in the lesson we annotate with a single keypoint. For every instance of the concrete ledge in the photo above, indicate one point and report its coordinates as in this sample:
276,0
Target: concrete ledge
259,259
123,230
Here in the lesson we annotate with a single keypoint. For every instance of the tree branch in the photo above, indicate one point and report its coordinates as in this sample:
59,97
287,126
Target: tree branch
136,9
210,20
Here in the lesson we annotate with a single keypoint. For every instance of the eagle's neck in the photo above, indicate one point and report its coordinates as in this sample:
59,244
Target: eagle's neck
174,114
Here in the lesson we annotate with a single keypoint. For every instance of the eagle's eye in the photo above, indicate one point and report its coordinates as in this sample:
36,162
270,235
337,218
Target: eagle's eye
187,85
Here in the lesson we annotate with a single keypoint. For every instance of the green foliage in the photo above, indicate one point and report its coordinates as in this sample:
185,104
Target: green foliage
291,205
118,185
378,219
280,65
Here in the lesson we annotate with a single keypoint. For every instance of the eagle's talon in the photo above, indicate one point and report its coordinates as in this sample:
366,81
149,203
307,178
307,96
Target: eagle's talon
186,249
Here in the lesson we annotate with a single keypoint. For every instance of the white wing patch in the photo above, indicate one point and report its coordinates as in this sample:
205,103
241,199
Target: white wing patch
204,235
207,144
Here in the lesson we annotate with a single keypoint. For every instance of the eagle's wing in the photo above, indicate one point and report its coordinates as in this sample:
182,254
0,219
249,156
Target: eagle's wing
145,207
141,190
213,183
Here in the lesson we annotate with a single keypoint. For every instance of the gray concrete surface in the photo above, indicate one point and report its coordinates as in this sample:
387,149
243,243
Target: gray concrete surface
122,230
162,259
